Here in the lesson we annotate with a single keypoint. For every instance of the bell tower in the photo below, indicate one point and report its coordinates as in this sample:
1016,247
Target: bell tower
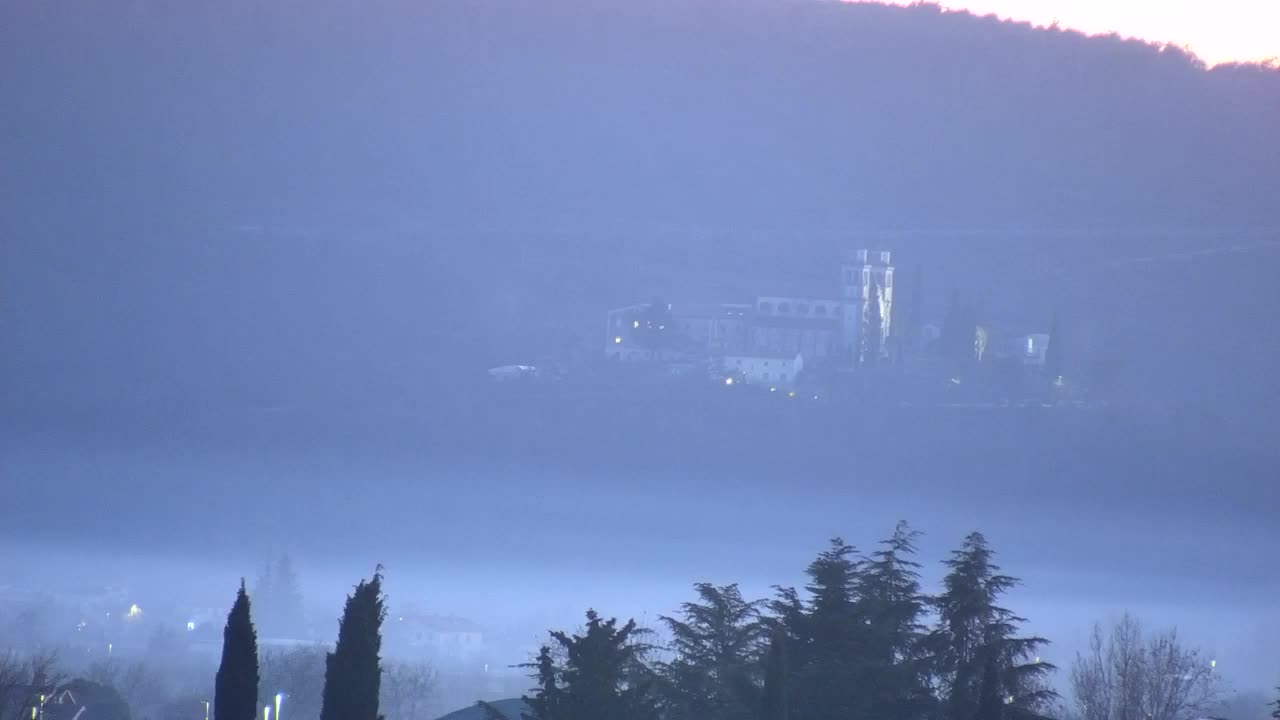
866,277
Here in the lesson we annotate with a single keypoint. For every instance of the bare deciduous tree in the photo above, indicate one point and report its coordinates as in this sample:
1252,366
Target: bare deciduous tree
408,690
298,674
23,679
1130,675
143,687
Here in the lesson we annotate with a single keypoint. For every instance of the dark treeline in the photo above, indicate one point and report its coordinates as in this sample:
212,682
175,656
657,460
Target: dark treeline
861,640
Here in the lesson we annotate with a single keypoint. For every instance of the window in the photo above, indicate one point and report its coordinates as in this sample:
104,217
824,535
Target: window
766,308
802,309
820,310
784,308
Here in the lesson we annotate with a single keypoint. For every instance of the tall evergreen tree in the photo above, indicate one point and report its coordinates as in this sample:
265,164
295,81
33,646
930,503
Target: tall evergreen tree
1053,354
892,606
602,676
832,633
1276,713
235,693
973,626
990,695
774,704
717,644
277,597
353,672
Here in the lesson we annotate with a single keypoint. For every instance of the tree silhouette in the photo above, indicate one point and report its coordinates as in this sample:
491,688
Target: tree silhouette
717,644
774,704
235,694
602,676
353,672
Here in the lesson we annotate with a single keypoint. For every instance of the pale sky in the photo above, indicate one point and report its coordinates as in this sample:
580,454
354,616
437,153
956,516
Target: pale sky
1216,30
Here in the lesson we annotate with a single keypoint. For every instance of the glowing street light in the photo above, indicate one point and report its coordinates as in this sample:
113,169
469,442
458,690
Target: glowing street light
279,699
266,713
206,710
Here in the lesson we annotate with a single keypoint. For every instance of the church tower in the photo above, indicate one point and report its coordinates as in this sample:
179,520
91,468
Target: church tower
867,296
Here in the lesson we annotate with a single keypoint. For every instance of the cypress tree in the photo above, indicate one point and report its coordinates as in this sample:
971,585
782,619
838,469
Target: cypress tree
775,705
1053,353
352,675
235,694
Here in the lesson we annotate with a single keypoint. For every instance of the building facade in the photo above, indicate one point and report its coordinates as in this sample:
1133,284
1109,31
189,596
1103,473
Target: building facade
843,331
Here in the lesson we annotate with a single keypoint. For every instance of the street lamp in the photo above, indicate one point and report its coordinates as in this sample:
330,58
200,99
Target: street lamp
266,713
279,699
206,710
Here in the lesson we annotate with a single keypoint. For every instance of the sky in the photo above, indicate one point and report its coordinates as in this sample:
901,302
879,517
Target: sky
1219,32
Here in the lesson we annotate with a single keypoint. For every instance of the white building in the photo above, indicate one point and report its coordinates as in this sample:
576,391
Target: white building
774,371
442,638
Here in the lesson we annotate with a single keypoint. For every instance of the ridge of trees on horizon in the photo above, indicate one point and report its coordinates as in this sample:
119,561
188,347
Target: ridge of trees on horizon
861,640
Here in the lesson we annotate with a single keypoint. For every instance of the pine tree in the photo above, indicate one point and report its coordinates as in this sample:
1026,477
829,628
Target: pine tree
973,626
548,701
1054,353
915,312
828,680
353,673
278,599
1276,713
603,676
717,644
990,697
774,705
235,695
287,599
892,606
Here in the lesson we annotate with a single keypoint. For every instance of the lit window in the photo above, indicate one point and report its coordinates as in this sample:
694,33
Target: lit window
617,340
635,323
